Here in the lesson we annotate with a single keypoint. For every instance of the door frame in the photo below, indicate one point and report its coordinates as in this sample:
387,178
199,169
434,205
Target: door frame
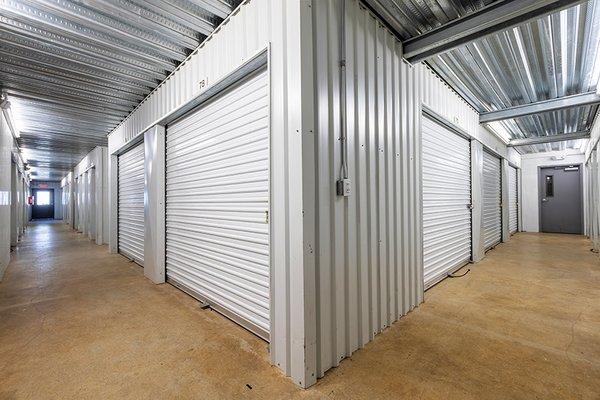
540,187
34,193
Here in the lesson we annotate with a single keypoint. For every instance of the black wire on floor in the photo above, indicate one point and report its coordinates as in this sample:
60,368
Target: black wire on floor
459,276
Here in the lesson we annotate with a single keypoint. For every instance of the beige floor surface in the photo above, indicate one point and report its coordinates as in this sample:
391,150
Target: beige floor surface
79,323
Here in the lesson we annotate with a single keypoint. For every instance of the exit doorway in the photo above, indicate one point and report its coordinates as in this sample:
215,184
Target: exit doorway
43,204
561,208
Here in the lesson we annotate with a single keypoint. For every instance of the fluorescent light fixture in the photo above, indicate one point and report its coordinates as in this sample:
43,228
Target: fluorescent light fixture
6,109
498,128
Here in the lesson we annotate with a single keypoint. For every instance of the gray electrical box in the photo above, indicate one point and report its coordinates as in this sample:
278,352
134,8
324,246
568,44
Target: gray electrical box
344,187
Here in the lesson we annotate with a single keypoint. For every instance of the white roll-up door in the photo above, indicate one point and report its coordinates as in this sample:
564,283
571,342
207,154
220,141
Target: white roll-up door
492,201
131,204
446,201
513,200
79,202
91,202
217,239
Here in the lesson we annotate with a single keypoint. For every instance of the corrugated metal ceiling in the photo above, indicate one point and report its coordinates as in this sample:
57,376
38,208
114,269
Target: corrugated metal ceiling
553,56
72,70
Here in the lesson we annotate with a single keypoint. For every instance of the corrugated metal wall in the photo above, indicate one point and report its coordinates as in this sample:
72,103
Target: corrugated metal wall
362,270
369,254
253,27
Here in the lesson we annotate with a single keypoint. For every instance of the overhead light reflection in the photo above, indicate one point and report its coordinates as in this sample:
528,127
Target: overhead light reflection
498,128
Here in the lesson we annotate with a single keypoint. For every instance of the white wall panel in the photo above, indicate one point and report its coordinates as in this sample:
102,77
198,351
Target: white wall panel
89,199
343,269
369,257
369,263
284,27
67,195
6,145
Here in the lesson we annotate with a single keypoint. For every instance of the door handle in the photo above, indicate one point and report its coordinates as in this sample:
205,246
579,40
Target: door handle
544,200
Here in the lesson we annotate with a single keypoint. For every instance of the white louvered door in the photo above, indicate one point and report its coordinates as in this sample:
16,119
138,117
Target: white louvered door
492,200
513,200
217,239
446,201
131,204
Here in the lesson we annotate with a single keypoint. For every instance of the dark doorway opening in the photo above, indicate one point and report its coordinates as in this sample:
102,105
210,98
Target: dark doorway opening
561,206
43,204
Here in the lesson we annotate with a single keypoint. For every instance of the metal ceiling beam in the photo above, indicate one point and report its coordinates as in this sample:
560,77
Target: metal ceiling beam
491,19
561,103
560,137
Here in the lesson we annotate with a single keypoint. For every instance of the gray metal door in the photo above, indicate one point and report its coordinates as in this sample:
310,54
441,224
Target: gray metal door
492,201
446,201
131,204
513,200
560,200
217,204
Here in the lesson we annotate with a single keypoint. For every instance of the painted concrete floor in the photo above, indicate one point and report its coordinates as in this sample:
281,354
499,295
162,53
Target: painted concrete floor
79,323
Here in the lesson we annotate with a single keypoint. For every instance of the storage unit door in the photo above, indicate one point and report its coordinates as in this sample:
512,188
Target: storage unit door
76,204
513,200
217,239
492,200
131,204
446,202
91,202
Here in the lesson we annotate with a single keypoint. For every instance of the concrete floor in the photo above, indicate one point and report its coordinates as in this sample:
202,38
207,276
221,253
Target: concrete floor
77,322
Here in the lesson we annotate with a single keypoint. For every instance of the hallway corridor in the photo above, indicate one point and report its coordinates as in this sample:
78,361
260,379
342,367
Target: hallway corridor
77,322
